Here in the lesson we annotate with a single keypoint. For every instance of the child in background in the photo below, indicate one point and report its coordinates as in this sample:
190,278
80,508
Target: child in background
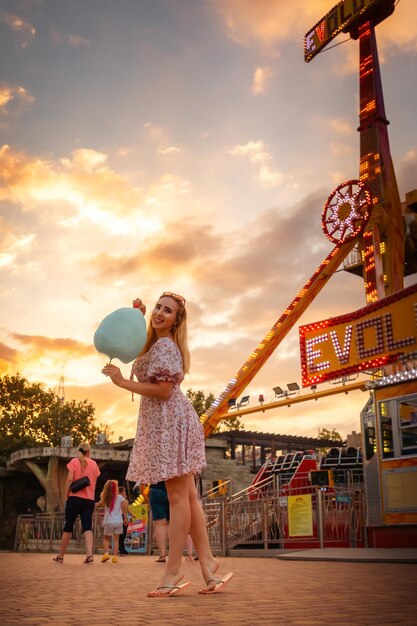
122,548
115,514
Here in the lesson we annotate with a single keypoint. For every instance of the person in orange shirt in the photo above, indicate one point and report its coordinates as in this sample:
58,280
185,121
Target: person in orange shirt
80,502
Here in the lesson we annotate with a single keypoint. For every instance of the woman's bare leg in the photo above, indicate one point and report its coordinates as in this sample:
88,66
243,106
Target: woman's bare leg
179,524
88,538
64,543
198,531
160,529
186,516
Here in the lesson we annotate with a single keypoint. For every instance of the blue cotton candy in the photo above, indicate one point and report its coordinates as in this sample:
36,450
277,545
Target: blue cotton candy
121,335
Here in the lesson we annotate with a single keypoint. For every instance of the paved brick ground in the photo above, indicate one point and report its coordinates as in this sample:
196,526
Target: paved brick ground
35,591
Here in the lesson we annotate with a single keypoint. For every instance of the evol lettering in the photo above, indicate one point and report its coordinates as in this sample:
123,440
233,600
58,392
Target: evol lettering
372,336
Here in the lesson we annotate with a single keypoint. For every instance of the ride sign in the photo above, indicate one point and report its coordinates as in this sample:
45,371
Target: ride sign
346,16
379,334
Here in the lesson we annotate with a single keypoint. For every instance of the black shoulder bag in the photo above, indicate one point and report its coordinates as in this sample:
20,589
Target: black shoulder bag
80,483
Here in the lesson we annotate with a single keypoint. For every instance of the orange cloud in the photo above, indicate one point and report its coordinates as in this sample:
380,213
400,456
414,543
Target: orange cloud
181,247
72,41
261,79
266,23
11,246
406,171
257,154
85,181
113,406
339,126
398,32
25,31
184,244
46,345
112,266
13,100
18,173
8,359
84,188
169,150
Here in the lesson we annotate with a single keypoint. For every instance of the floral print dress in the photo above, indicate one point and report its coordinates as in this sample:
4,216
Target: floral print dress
169,438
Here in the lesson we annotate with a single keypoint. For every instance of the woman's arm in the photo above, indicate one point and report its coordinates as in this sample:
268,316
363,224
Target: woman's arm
70,478
161,390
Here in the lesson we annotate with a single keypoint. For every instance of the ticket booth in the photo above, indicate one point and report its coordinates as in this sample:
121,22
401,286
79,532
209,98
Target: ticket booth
389,430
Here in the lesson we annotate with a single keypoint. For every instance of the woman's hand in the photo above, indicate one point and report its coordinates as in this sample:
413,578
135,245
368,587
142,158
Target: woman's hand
138,304
114,373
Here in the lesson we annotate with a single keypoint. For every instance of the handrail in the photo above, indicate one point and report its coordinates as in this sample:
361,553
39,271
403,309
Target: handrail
213,490
239,495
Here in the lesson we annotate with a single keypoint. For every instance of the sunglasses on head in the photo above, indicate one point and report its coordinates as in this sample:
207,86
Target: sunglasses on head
176,297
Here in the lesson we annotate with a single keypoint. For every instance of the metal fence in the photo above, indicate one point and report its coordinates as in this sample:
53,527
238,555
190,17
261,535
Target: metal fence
338,520
253,519
42,532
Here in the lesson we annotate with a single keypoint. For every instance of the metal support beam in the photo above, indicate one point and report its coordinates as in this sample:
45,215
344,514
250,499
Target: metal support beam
358,386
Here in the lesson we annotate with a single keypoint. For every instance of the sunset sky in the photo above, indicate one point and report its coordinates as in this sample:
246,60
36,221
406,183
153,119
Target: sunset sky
181,145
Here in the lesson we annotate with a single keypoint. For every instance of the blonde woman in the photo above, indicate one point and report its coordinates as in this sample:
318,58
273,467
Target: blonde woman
80,502
169,442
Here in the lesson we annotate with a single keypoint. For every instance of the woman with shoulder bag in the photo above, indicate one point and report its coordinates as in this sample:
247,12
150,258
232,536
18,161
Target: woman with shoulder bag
79,493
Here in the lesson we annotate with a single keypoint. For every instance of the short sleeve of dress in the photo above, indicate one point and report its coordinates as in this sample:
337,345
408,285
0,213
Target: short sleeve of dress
165,362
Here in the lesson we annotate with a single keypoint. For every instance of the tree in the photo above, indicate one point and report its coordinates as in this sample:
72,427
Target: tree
31,416
325,433
201,403
228,423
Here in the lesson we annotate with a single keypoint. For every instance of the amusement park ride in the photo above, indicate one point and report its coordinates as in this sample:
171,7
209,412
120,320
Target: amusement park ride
364,219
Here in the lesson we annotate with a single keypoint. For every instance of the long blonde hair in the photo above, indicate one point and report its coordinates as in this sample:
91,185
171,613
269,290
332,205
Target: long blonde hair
83,448
179,335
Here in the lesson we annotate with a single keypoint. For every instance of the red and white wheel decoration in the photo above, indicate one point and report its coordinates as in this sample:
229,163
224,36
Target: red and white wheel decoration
346,211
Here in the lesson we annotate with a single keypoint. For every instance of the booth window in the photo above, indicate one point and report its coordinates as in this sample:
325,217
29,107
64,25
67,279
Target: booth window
386,431
368,428
407,421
